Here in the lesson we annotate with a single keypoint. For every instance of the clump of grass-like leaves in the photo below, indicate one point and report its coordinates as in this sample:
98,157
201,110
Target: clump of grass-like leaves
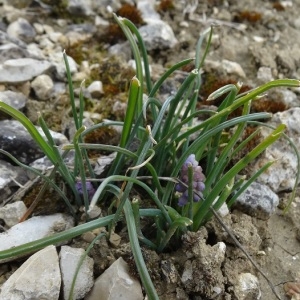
164,146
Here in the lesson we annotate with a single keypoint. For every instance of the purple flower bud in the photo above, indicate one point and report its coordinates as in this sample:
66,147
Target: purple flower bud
198,181
89,188
180,188
183,200
196,198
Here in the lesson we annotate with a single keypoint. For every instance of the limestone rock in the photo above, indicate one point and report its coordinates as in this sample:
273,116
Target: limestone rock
258,201
11,213
158,35
69,259
16,140
23,69
232,67
57,60
14,99
80,7
42,86
96,89
22,30
247,287
147,9
6,38
38,278
116,283
9,176
12,51
34,229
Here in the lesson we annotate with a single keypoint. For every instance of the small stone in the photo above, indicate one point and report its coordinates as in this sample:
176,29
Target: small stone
232,67
258,200
23,69
42,86
32,230
94,212
104,162
263,57
69,260
285,63
55,36
264,74
22,30
39,28
115,239
15,139
148,11
96,89
12,213
45,43
290,98
38,278
9,176
88,236
116,283
12,51
79,7
14,99
5,39
158,35
57,59
248,287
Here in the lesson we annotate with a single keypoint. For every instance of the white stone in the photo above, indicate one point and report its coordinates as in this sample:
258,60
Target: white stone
95,212
42,86
58,137
39,28
147,9
11,213
11,51
22,30
69,260
35,50
34,229
264,74
290,98
247,287
157,34
55,36
115,239
104,162
258,200
58,61
232,67
22,69
45,43
48,29
80,7
14,99
38,278
96,89
116,283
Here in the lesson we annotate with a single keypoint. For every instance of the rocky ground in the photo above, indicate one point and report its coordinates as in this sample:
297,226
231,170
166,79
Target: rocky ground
253,42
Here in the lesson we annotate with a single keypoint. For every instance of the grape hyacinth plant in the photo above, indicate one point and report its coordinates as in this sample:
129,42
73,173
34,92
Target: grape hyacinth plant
197,183
165,159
